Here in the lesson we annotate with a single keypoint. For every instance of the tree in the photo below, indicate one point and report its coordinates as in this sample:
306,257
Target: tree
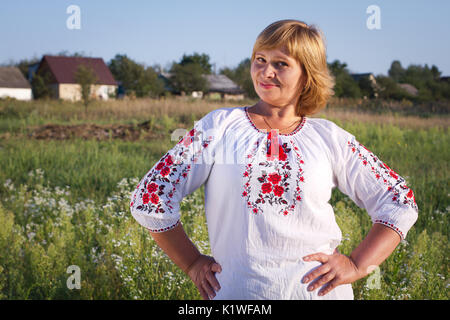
66,53
24,64
435,72
126,71
426,80
389,89
337,67
135,78
40,85
148,84
200,59
85,77
241,75
396,71
188,78
345,85
366,87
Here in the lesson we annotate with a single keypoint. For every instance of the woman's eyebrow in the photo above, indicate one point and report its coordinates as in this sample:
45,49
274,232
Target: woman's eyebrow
276,57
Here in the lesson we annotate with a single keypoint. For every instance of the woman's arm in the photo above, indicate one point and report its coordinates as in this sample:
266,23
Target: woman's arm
200,268
176,244
375,248
383,193
340,269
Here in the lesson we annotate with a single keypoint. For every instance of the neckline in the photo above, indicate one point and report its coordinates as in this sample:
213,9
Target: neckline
297,129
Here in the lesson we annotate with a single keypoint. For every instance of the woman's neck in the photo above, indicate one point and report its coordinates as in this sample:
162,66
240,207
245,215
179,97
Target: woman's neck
275,113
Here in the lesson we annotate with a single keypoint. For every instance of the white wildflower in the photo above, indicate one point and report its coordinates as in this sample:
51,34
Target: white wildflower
9,185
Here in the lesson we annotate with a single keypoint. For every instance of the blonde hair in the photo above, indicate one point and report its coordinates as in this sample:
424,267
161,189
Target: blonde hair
305,44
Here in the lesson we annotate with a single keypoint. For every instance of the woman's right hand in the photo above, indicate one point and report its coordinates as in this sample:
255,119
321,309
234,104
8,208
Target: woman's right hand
202,273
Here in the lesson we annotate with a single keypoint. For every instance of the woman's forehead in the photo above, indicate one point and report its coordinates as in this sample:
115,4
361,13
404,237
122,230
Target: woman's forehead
275,53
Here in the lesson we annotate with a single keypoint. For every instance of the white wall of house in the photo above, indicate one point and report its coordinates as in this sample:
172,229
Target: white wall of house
18,93
68,91
104,91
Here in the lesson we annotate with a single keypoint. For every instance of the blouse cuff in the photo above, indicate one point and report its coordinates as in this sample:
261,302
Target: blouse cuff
399,219
392,226
155,224
164,229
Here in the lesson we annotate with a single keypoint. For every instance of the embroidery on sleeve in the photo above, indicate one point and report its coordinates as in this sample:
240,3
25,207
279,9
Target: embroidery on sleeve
395,183
170,171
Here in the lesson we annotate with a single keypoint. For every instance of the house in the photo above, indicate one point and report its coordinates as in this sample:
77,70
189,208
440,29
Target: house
358,76
371,79
32,68
165,77
409,88
13,84
219,87
59,72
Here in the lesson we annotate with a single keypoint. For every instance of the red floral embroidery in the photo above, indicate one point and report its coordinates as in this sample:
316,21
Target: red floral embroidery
395,183
278,191
152,187
159,166
145,198
165,171
173,168
275,177
154,198
169,160
266,187
410,194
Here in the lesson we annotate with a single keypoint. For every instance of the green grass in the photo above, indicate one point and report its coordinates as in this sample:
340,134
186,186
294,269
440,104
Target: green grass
66,203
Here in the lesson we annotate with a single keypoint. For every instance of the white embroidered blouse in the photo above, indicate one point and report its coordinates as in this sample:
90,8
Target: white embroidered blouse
267,198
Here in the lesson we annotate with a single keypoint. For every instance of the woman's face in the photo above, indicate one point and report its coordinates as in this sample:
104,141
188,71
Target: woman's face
276,77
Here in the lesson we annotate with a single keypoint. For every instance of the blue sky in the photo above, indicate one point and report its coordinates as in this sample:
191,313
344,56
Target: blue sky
160,32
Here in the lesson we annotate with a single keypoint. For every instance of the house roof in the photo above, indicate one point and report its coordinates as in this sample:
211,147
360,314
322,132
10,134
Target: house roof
409,88
221,83
357,76
64,68
11,77
216,82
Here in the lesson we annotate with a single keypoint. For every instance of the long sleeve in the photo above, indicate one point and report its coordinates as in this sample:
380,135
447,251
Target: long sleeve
372,184
155,203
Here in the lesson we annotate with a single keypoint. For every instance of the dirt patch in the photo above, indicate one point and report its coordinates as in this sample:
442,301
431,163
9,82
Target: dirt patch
97,132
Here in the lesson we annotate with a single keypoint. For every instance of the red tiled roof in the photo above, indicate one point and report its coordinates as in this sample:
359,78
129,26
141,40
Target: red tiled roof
64,68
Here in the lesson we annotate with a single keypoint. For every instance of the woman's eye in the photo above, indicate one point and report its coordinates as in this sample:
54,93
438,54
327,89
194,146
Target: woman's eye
279,64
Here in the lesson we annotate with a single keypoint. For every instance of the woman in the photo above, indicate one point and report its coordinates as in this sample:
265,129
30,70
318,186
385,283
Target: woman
269,172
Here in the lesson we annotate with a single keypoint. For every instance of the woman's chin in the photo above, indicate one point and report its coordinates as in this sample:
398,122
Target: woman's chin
267,97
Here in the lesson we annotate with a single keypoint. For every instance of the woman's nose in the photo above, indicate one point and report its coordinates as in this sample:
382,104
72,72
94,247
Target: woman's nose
268,71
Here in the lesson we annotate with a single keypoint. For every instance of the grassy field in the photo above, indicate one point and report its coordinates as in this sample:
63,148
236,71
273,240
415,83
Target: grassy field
65,202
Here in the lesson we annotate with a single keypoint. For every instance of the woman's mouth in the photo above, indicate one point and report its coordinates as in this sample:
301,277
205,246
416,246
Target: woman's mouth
267,86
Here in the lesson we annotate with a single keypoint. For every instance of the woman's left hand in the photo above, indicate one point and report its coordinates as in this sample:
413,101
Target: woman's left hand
336,269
